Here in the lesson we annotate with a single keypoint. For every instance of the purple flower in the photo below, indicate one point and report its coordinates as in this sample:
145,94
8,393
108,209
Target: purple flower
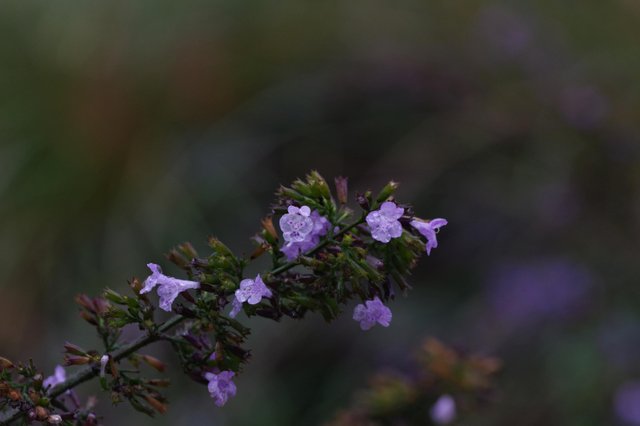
384,223
627,402
59,376
103,364
169,287
236,306
444,410
530,293
429,231
372,312
296,224
252,291
221,387
321,224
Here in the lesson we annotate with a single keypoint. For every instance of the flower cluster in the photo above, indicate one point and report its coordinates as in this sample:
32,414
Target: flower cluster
328,259
302,230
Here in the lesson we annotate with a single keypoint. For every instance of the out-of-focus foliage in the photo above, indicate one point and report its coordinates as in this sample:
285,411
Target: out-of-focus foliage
128,127
409,398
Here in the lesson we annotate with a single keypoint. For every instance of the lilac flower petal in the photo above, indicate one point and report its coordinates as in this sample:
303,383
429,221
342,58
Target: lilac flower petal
305,211
236,306
59,376
252,291
297,243
429,230
220,386
169,287
444,410
372,312
384,224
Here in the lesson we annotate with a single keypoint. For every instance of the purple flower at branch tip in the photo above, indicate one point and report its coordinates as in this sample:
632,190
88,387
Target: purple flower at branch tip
372,312
626,403
252,291
169,287
321,224
296,224
429,230
221,387
384,223
443,411
59,376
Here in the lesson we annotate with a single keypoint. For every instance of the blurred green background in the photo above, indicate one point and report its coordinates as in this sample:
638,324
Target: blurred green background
129,127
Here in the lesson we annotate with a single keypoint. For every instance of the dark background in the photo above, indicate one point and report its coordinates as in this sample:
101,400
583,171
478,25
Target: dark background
129,127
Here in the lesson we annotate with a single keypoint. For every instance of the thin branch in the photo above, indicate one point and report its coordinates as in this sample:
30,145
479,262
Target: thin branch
91,371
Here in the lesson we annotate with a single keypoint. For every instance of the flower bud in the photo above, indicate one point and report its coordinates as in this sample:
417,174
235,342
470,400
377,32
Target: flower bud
136,286
364,200
103,364
267,224
41,413
154,362
88,317
85,301
76,360
342,189
159,406
175,257
387,191
115,297
54,419
188,250
5,364
74,349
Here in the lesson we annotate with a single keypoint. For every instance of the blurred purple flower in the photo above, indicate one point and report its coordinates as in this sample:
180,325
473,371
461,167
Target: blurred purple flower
384,223
296,224
504,30
236,306
292,249
221,387
429,231
59,376
527,293
169,287
626,402
583,106
252,291
444,410
372,312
